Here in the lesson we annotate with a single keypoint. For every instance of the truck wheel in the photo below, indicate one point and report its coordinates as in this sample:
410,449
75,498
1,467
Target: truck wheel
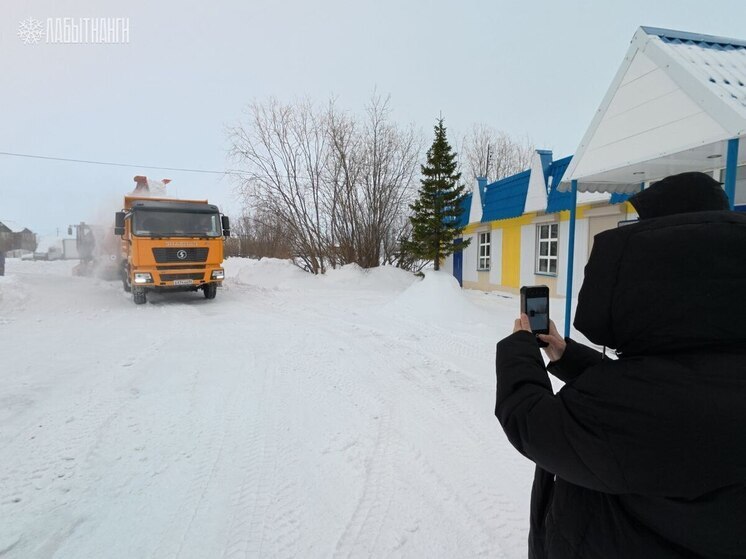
139,296
210,290
126,280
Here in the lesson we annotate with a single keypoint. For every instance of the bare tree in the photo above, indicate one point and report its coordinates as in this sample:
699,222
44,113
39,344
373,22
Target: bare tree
390,160
257,235
493,154
338,188
283,149
373,166
345,167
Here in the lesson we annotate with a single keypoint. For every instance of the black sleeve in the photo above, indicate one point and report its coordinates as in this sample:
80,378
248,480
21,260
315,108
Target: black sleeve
576,359
559,433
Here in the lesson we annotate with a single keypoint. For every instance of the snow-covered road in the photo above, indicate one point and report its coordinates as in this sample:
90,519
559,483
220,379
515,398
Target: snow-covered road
293,416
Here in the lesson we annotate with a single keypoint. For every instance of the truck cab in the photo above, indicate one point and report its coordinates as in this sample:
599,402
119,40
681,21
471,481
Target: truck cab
171,245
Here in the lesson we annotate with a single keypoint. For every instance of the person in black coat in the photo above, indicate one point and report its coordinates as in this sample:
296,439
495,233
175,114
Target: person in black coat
643,456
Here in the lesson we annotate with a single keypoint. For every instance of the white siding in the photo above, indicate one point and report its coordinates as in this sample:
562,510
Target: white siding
496,257
536,198
528,254
470,259
648,113
475,211
580,258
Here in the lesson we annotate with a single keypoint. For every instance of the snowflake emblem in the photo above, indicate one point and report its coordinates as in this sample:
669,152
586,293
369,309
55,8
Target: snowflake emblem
30,31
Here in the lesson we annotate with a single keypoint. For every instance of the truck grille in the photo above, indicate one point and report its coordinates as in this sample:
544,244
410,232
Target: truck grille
172,254
172,277
174,267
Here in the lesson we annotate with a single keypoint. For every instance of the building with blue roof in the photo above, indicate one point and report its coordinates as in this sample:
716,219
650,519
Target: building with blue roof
676,104
517,226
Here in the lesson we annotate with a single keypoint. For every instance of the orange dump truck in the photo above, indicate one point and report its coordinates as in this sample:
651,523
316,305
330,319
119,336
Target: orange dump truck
171,245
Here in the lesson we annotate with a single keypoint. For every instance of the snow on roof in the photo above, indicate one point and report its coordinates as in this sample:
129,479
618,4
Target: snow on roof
674,103
718,62
13,226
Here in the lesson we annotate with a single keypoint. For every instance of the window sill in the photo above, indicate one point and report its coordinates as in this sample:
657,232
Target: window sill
483,269
548,274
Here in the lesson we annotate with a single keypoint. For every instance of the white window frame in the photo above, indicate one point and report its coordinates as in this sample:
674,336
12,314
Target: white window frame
549,240
484,241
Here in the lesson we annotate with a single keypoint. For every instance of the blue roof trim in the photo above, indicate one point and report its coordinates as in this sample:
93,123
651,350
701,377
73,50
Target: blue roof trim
672,34
619,197
558,201
506,198
463,221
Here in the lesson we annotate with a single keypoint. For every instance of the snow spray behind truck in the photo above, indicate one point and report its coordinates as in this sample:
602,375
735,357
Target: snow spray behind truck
170,244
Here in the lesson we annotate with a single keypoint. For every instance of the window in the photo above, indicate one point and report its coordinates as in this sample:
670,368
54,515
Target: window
484,251
546,254
165,223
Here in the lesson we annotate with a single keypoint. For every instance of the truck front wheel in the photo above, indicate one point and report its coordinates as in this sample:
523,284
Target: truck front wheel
139,296
126,278
210,290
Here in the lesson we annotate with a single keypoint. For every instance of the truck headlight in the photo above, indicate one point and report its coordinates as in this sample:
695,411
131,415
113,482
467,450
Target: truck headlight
144,277
218,275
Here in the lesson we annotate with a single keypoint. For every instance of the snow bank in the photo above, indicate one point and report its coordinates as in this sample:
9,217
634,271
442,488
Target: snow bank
437,297
271,273
267,273
381,278
41,267
13,295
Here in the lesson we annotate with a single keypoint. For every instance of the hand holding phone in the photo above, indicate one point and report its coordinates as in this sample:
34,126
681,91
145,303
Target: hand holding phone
535,304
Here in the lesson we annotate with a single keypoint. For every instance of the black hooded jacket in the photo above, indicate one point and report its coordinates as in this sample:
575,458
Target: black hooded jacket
644,456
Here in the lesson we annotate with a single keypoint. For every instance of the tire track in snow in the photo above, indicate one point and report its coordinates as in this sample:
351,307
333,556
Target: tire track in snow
373,505
212,446
268,498
494,515
253,495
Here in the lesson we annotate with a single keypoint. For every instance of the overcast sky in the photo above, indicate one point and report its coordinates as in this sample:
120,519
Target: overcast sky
164,98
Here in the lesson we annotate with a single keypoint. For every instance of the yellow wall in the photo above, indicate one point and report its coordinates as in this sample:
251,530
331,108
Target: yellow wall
510,250
511,256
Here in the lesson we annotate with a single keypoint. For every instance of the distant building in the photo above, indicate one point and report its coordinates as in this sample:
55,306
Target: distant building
15,237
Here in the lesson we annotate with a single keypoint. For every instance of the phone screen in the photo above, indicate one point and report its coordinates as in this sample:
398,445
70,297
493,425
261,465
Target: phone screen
537,309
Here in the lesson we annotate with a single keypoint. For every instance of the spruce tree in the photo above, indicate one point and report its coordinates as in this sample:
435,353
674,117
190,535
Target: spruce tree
435,222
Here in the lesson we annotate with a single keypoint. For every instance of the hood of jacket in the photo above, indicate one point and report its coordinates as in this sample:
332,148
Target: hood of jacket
667,284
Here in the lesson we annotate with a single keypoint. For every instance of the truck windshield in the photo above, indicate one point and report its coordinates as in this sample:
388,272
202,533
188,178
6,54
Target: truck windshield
150,223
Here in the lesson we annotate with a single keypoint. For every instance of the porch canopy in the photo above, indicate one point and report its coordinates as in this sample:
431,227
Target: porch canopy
676,104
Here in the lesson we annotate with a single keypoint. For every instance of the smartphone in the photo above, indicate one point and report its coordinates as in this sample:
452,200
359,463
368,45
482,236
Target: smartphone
535,304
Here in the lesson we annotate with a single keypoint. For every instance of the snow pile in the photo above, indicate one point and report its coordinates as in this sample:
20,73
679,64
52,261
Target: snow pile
267,273
43,267
272,273
12,295
347,275
381,278
437,297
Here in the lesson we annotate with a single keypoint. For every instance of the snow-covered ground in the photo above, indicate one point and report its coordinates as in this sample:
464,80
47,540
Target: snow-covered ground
349,415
